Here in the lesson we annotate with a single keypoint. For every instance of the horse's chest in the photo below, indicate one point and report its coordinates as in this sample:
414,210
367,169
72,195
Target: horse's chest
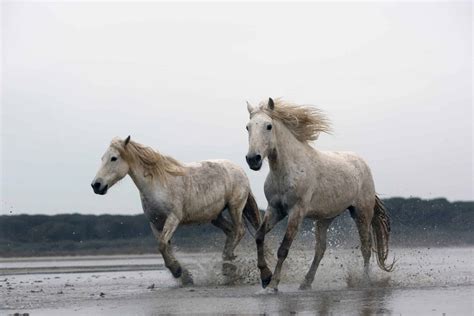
282,196
156,208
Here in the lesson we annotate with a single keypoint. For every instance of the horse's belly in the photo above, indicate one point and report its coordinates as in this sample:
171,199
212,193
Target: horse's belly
204,214
324,213
328,208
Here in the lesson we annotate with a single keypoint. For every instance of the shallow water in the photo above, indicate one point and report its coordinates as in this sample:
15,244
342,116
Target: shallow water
426,281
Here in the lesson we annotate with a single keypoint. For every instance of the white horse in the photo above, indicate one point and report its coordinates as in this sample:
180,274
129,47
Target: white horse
305,182
173,193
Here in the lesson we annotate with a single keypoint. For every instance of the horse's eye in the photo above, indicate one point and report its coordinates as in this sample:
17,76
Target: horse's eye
269,127
247,127
113,158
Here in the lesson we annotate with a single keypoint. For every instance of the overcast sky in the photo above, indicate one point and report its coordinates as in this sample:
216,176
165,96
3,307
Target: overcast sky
395,79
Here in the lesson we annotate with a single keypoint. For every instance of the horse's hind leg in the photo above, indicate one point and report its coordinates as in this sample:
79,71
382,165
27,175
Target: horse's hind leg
235,212
227,228
363,221
321,233
164,238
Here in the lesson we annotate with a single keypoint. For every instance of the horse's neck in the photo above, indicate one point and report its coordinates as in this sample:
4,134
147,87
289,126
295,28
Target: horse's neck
142,182
289,151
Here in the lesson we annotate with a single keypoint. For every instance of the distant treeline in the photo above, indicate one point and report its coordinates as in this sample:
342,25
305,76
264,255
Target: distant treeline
415,222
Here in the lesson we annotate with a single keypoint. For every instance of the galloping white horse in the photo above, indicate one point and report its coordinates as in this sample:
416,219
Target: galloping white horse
173,193
305,182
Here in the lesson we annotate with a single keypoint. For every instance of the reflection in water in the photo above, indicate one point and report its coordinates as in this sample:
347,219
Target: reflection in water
324,307
373,302
290,305
363,301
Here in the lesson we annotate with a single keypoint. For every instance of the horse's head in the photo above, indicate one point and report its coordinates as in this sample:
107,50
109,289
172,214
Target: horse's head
261,135
112,169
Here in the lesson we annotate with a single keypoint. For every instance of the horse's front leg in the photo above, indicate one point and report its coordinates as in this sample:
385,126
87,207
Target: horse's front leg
294,221
270,219
164,238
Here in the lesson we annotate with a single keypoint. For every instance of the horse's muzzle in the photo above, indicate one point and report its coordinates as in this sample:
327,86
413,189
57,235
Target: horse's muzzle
98,188
254,161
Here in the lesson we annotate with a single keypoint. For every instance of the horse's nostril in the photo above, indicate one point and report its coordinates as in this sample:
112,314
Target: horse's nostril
258,158
96,185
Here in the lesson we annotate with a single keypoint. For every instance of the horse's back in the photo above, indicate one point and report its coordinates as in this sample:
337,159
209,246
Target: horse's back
207,176
348,162
224,166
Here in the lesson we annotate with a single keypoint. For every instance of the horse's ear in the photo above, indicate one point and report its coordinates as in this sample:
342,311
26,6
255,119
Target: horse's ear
250,108
126,141
271,104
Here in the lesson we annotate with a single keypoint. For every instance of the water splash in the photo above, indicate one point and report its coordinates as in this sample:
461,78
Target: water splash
342,268
215,271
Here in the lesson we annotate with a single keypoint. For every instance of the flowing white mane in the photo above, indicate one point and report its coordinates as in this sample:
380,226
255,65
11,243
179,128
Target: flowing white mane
154,163
304,121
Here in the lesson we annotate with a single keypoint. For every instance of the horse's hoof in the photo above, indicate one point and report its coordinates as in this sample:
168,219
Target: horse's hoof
228,265
229,258
187,282
177,273
305,286
266,281
186,278
229,269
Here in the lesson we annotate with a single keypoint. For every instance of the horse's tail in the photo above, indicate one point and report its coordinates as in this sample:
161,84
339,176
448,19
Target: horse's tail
381,235
251,213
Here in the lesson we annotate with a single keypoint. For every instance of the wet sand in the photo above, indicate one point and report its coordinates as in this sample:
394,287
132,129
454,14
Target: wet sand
433,281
